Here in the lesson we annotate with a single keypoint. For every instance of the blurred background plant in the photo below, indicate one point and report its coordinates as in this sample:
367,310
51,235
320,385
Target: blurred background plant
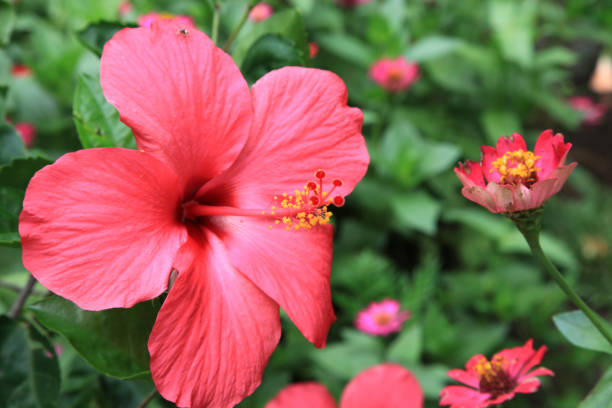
485,69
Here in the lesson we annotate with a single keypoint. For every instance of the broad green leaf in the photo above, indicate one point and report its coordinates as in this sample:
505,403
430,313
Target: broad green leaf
513,23
269,52
498,123
580,331
11,144
287,23
406,349
601,395
354,354
431,47
347,47
14,179
96,120
113,341
7,21
95,35
431,377
29,371
415,210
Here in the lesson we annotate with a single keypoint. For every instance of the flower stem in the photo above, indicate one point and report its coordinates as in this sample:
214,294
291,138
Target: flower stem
215,22
237,29
148,399
21,298
532,238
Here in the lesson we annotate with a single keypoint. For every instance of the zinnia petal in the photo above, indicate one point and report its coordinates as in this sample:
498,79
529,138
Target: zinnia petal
551,151
302,124
510,144
458,396
184,98
292,267
383,386
303,395
214,333
100,228
467,377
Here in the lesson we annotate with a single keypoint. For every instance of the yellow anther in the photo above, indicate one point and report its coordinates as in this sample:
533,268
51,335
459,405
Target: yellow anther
517,167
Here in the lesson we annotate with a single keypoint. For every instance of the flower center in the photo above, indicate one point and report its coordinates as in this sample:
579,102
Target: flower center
517,167
394,74
494,378
303,209
164,15
383,319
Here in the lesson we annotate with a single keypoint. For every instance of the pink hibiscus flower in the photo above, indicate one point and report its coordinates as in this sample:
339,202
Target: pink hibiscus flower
105,227
381,318
146,20
260,12
493,382
125,8
383,386
593,112
394,75
19,70
516,179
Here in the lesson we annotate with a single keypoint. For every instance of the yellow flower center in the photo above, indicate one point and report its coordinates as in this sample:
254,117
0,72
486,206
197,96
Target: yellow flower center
517,167
494,379
383,318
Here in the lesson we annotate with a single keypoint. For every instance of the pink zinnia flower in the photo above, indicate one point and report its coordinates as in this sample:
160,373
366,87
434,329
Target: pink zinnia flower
202,196
381,318
511,178
313,49
352,3
394,75
493,382
19,70
125,7
146,20
383,386
27,131
260,12
593,112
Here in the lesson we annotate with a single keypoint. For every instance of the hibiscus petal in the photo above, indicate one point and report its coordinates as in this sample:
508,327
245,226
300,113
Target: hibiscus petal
100,227
383,386
301,124
292,267
184,98
303,395
214,333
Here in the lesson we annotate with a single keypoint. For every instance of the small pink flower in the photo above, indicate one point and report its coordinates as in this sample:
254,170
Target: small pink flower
352,3
125,8
496,381
19,70
146,20
313,48
381,318
260,12
510,178
593,112
27,131
394,75
382,386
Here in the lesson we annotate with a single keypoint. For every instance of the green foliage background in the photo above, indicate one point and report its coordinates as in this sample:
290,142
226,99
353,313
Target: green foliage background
488,68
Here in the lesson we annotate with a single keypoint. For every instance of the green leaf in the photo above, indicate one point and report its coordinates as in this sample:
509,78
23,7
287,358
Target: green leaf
416,210
357,352
287,23
29,371
269,52
431,47
580,331
14,179
96,120
7,21
95,35
11,144
347,47
113,341
601,395
498,123
513,23
406,349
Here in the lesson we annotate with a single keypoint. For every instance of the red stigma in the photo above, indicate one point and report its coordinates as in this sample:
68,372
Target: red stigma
338,201
314,201
320,174
311,185
337,182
